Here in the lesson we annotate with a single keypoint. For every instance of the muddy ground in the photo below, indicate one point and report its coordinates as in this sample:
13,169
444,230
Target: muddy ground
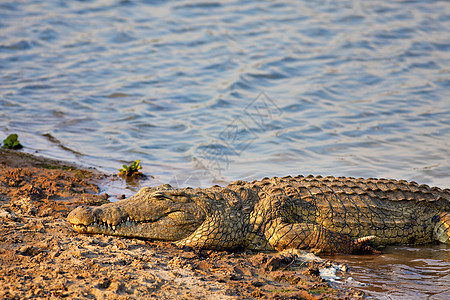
42,257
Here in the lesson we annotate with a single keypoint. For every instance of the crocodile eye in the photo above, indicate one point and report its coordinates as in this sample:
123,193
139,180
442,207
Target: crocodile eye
159,195
179,196
182,199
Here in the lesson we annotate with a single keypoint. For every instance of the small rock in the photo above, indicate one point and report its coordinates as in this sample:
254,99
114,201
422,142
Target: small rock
188,255
104,283
277,262
6,214
29,251
258,284
116,287
312,271
234,276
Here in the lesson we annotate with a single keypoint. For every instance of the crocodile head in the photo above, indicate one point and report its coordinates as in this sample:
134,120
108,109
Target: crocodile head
160,215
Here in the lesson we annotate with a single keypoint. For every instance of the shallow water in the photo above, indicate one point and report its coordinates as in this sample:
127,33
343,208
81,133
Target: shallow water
210,92
400,273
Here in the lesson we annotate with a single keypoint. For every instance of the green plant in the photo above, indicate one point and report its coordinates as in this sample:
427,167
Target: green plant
12,142
130,170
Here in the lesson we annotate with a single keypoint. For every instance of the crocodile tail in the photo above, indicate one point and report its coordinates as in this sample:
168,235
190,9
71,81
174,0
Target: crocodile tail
442,229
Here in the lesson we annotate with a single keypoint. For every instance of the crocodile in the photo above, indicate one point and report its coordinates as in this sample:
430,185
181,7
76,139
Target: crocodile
320,214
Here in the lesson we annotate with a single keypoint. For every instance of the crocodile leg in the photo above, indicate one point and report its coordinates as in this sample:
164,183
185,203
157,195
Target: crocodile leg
217,232
441,231
316,238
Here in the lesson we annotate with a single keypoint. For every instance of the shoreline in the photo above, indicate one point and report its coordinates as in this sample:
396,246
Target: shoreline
42,257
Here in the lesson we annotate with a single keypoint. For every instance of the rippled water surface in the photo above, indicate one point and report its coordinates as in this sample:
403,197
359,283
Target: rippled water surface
209,92
401,273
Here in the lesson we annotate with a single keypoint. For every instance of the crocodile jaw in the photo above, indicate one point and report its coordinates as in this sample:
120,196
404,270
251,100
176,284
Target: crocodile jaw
113,219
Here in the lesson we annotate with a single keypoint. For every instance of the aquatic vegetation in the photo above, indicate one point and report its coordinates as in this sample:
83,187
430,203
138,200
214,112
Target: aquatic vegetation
130,170
12,142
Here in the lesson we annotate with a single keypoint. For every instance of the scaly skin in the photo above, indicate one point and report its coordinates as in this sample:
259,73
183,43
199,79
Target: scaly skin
324,214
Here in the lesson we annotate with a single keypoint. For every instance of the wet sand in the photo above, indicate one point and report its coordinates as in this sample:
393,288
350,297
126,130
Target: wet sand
42,257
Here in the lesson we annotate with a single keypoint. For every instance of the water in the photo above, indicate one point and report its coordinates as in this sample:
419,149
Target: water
401,272
210,92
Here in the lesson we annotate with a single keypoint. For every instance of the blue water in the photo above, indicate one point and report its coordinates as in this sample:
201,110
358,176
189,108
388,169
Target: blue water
331,87
210,92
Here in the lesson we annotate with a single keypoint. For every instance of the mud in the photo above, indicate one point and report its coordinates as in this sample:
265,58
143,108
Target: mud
42,257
